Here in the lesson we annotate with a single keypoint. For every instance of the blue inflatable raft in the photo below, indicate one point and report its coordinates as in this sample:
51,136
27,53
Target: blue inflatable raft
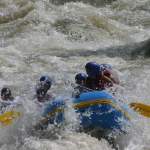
104,111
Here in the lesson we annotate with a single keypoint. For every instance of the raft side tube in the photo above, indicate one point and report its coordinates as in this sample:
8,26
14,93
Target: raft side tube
103,109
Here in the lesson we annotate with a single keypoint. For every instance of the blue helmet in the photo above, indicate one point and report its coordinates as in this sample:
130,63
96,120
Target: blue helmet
80,75
105,67
94,67
47,79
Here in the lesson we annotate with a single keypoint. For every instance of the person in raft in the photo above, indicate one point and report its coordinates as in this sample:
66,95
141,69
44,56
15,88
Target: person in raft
107,71
7,99
41,91
96,80
80,79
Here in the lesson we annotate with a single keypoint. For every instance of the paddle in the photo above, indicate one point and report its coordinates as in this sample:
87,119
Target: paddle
85,88
138,107
141,109
6,118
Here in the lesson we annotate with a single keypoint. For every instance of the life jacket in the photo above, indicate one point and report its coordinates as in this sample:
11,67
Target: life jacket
108,74
97,84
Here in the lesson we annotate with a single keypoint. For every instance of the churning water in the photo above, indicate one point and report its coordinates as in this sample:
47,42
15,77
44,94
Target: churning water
57,38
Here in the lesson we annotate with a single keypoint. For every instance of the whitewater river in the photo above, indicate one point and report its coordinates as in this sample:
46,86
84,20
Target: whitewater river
57,38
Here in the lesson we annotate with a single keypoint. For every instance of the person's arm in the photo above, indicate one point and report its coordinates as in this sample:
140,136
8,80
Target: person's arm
116,81
108,81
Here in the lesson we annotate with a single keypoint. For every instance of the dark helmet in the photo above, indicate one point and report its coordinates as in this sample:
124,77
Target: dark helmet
105,67
5,91
94,67
46,79
80,75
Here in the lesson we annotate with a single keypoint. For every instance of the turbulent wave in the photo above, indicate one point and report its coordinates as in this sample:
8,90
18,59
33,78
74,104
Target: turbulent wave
95,3
57,38
141,50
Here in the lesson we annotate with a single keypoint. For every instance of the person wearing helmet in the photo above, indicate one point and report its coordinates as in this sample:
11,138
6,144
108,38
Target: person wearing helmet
80,79
107,71
6,94
7,99
44,86
96,80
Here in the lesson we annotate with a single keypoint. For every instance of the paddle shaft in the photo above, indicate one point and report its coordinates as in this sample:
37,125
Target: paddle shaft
85,88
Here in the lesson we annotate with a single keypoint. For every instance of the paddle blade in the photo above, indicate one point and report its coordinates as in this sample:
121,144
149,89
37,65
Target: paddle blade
141,109
6,118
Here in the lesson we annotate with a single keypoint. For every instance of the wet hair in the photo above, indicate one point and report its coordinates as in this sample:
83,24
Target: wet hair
5,91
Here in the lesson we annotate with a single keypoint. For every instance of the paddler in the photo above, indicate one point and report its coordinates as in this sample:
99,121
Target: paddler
80,79
106,69
6,94
96,80
7,99
44,86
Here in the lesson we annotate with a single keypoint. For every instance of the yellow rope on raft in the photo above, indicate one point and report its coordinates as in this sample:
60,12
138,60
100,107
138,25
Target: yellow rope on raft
82,105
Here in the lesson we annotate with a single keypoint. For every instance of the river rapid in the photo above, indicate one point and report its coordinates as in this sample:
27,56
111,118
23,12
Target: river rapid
57,38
